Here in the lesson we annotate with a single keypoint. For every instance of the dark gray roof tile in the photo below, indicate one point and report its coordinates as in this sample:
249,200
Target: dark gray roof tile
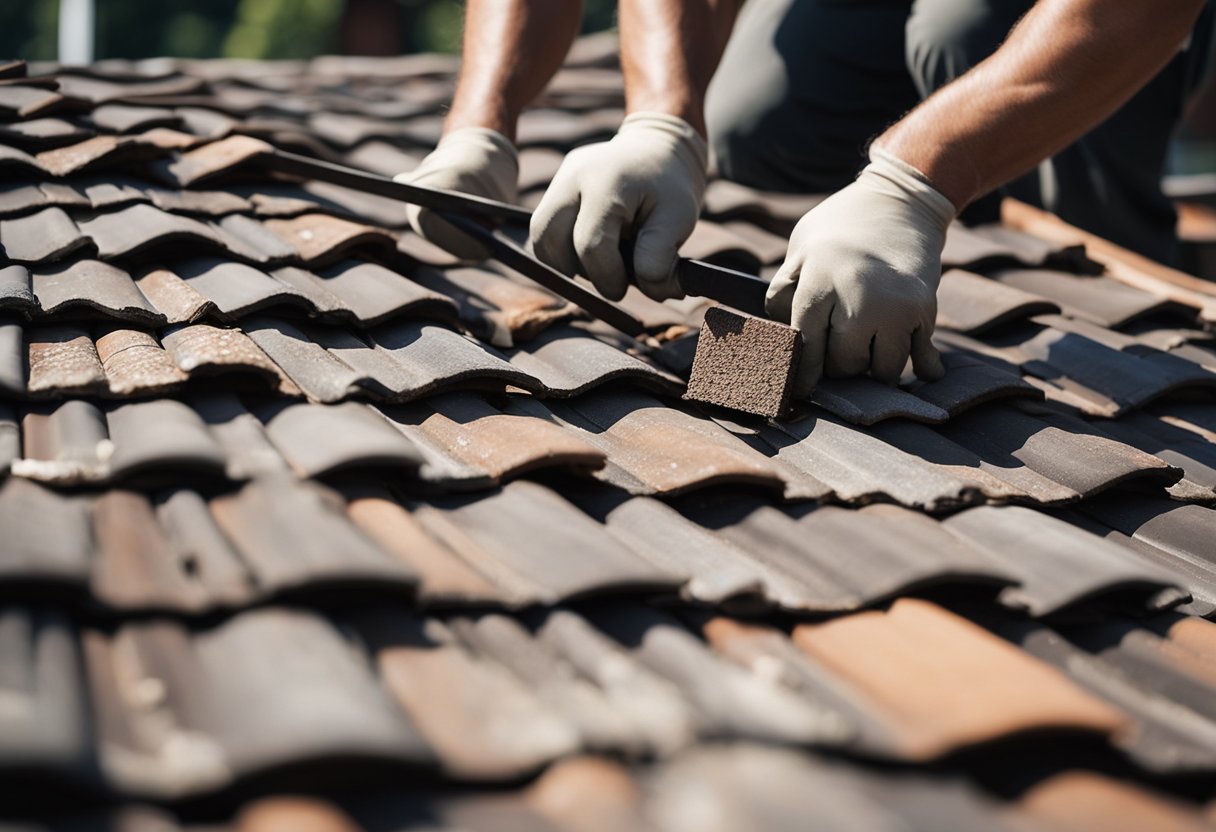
320,375
997,476
250,240
127,118
12,158
42,134
864,401
93,286
236,289
16,293
553,680
1066,450
435,358
1084,360
12,359
197,547
1098,299
136,364
568,360
20,102
891,550
1195,455
45,236
161,440
47,539
47,728
496,533
1165,737
137,228
319,440
860,467
1059,565
374,293
971,381
206,682
63,359
969,303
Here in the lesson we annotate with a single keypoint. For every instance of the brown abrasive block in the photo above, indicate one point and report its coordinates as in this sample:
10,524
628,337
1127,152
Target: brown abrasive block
744,363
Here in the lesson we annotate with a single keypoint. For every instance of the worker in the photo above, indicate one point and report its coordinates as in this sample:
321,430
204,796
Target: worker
964,97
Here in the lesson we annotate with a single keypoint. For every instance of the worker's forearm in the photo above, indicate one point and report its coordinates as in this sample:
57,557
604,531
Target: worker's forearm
1067,66
669,51
512,48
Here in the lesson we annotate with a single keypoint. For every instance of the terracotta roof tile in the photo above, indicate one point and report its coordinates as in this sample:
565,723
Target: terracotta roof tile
92,286
914,656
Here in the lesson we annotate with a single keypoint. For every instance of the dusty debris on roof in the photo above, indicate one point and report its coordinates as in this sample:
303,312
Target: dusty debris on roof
291,503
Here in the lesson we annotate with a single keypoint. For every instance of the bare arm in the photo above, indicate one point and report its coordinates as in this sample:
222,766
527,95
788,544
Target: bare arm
1067,66
669,51
512,48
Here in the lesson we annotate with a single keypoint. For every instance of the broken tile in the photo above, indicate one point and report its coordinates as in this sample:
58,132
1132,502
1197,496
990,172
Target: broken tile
136,364
173,297
969,382
215,158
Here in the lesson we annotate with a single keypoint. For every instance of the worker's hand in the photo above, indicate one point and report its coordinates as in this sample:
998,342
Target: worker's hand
860,278
472,160
647,184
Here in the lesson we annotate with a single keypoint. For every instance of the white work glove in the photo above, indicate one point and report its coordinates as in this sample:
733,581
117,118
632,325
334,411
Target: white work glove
472,160
646,184
860,278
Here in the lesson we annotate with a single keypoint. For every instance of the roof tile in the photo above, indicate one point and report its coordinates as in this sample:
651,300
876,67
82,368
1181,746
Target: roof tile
92,286
908,663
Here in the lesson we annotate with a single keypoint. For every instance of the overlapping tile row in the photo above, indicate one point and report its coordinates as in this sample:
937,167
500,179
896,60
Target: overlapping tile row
177,551
294,501
153,709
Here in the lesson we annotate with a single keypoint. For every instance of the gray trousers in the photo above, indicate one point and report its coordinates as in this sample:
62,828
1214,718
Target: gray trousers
804,85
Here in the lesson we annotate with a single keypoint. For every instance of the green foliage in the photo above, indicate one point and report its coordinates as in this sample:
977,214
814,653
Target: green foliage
284,29
233,28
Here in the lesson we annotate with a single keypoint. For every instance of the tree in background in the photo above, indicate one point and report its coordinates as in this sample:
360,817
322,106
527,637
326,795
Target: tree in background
252,28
